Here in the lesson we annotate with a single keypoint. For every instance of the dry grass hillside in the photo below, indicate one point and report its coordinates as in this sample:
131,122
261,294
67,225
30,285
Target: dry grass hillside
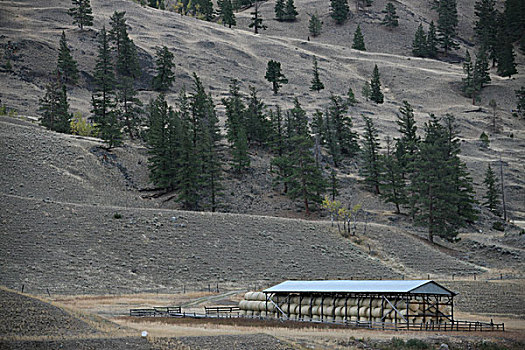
59,193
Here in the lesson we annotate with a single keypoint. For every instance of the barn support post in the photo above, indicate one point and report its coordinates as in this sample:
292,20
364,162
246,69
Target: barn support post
322,308
300,305
370,312
358,307
346,308
311,306
382,312
266,303
333,309
408,311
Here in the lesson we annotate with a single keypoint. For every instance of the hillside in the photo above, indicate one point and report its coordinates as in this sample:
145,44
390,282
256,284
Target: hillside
77,219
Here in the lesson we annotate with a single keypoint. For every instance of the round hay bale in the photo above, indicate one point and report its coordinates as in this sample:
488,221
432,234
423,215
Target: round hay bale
376,312
376,302
306,317
328,310
316,310
295,300
363,311
365,302
305,310
262,306
253,305
318,300
256,313
260,296
316,317
294,308
306,301
340,311
338,319
242,304
413,307
353,311
328,301
248,295
340,302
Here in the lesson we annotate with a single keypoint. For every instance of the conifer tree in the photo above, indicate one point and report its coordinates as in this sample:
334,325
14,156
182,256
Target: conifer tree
206,9
275,76
432,41
481,73
54,108
351,100
492,192
375,87
304,178
486,25
339,10
419,45
359,40
103,98
257,20
164,78
342,124
279,10
235,110
129,111
81,13
256,123
506,59
370,147
514,14
366,91
315,25
407,145
520,96
290,11
226,13
67,66
279,147
468,82
391,18
206,138
317,84
392,184
447,24
126,64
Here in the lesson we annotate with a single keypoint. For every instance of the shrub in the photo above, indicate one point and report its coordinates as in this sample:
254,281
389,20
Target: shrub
416,344
117,216
80,126
498,225
3,110
484,138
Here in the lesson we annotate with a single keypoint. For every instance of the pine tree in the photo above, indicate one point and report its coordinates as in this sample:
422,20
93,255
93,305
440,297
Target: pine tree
206,9
226,13
391,18
164,78
447,24
375,87
468,82
492,192
274,75
370,147
315,25
129,107
236,129
432,41
514,14
279,10
351,100
359,40
317,84
481,70
342,124
290,11
81,13
257,20
419,45
104,115
66,66
127,64
304,178
506,62
520,96
392,184
206,138
54,108
366,91
486,25
256,123
339,10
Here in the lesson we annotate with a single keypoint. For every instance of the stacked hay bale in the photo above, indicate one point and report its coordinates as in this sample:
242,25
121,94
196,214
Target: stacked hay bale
332,309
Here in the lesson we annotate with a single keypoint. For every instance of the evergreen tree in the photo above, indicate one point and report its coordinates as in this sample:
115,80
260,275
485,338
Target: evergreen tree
290,11
481,73
392,184
279,147
81,13
164,78
432,41
127,64
330,137
236,129
391,17
317,84
371,167
444,191
506,62
520,96
492,192
468,82
333,185
419,45
304,178
351,100
359,40
129,107
206,138
339,10
256,123
280,12
67,66
366,91
104,115
341,123
447,24
257,20
315,25
206,9
514,14
486,25
226,13
375,87
274,75
54,108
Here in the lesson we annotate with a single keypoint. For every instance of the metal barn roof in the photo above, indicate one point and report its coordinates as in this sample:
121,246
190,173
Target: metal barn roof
346,286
